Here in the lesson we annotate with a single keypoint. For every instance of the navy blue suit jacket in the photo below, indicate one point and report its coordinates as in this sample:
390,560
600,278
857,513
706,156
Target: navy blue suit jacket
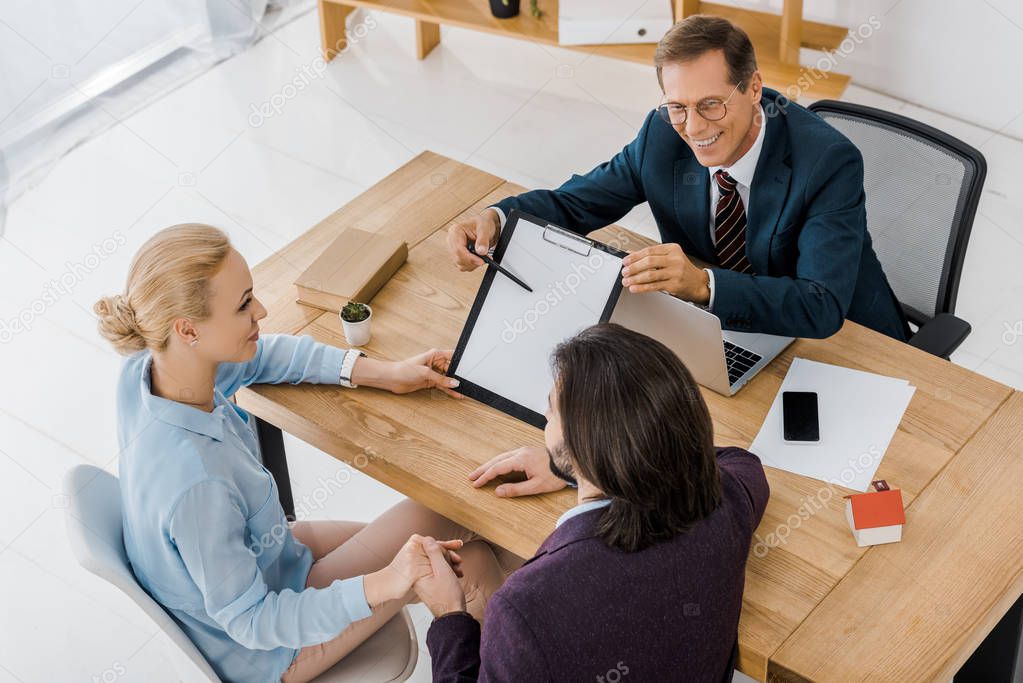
807,236
580,610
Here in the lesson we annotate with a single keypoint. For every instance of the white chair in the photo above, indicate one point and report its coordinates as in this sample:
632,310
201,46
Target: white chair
93,520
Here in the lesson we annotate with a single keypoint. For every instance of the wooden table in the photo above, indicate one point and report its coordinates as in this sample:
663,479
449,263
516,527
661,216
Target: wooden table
816,606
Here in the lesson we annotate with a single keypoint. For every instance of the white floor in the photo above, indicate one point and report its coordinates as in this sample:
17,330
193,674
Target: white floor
530,114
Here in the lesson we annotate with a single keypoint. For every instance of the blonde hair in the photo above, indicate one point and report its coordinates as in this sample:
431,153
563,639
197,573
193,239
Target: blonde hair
169,279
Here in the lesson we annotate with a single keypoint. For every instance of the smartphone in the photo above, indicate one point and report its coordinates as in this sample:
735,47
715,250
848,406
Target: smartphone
799,417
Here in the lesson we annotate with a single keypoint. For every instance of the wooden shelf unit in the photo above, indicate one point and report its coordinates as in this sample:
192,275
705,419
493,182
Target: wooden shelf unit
777,38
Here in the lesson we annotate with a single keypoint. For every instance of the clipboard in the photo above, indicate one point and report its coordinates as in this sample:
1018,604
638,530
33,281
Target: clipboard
503,354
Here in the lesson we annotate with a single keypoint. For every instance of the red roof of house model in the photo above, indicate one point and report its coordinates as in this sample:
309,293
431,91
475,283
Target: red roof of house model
883,508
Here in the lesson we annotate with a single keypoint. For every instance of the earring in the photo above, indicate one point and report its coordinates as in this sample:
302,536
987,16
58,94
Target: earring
194,342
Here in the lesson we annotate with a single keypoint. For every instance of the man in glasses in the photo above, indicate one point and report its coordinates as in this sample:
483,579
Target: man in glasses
737,176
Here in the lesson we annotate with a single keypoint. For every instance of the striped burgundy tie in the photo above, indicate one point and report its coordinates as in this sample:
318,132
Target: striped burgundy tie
730,226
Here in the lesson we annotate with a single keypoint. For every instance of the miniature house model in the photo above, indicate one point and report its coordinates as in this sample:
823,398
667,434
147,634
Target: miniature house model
875,517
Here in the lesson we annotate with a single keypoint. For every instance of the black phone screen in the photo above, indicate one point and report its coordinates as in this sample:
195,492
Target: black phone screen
799,415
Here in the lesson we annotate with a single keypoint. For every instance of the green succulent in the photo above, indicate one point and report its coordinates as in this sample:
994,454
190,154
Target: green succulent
355,312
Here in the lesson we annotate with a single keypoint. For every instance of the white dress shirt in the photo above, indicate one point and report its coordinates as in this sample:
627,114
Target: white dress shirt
742,172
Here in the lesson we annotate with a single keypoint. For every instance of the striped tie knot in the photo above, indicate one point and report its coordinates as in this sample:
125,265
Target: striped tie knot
726,182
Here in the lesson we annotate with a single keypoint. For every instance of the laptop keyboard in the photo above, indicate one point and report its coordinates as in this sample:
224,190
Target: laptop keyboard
739,361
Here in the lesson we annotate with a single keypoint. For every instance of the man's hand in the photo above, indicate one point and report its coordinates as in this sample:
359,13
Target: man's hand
531,460
439,590
666,268
410,564
483,231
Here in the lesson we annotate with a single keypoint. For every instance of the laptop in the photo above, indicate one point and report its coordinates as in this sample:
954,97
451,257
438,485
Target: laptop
722,361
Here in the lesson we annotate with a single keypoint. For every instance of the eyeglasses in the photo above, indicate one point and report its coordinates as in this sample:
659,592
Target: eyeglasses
712,109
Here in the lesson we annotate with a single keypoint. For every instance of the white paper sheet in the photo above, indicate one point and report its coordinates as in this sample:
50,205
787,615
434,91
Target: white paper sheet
516,331
859,413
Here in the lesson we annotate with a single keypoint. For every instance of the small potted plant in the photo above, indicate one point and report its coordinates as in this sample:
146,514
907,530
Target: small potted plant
355,318
505,9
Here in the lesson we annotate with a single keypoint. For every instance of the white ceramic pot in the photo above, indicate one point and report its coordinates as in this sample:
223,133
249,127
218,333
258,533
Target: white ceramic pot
357,334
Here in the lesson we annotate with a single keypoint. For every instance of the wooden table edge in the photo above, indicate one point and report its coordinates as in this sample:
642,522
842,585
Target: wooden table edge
777,672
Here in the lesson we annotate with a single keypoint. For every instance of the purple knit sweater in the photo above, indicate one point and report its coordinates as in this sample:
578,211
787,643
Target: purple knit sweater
581,611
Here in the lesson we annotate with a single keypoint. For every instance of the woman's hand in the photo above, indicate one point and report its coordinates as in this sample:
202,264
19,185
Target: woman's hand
440,590
425,371
531,461
410,564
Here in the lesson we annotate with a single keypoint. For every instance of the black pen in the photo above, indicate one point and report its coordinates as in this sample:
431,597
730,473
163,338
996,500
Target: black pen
491,262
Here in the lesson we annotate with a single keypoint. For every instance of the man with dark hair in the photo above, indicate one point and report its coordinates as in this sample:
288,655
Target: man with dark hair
645,575
738,177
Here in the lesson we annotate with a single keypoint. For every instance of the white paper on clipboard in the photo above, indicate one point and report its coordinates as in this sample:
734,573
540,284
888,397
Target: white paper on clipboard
507,352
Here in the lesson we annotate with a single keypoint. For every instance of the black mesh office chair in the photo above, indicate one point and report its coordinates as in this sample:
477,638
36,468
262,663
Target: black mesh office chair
922,189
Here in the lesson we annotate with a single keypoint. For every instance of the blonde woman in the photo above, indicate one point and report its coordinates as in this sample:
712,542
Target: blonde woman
203,526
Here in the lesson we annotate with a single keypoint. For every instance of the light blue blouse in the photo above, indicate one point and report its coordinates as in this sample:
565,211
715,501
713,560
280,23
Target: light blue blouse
203,524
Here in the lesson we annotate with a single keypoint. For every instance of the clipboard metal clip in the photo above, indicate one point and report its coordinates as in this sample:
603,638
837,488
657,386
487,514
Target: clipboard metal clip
567,240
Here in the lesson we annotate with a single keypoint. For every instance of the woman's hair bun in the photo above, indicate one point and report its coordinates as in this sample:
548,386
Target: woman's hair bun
117,324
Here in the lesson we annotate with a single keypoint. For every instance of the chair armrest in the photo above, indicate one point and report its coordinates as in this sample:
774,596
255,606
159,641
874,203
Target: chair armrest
941,335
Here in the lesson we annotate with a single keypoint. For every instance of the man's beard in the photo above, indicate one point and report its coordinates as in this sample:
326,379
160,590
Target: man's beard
561,464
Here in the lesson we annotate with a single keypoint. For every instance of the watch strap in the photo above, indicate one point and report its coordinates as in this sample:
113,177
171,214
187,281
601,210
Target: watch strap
347,366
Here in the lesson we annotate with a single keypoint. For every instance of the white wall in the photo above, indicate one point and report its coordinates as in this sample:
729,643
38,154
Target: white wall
963,58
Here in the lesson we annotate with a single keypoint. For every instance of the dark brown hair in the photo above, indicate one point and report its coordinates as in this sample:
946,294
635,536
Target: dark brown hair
700,33
636,426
